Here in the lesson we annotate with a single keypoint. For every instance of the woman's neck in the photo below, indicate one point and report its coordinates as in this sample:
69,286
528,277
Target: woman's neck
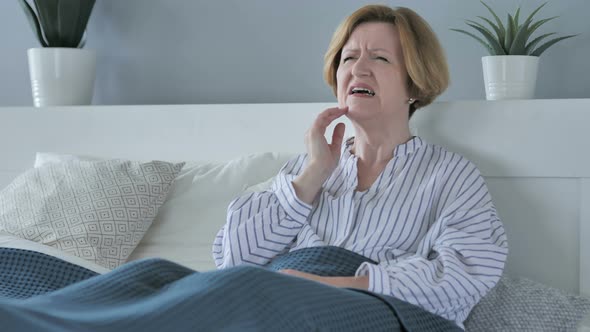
375,147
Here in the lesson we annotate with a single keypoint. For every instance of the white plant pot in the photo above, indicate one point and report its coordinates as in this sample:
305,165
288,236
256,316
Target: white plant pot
62,76
510,76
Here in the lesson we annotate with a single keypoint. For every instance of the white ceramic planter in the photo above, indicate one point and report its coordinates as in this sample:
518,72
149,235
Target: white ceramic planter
510,76
62,76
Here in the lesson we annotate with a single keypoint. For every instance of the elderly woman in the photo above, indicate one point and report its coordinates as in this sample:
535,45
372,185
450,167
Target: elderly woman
421,214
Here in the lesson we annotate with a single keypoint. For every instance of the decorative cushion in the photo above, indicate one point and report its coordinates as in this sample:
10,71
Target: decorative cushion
196,206
11,241
96,210
520,304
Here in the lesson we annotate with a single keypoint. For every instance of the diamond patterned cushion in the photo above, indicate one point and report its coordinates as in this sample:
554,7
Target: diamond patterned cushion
96,210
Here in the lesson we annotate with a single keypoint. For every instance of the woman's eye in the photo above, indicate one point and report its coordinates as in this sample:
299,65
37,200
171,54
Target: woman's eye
347,58
382,59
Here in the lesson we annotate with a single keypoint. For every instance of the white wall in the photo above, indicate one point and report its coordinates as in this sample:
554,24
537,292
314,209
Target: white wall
246,51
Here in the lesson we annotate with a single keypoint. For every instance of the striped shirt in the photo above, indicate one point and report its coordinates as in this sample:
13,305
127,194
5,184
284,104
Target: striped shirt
428,220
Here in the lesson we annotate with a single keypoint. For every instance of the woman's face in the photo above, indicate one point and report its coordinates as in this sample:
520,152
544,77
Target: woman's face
372,75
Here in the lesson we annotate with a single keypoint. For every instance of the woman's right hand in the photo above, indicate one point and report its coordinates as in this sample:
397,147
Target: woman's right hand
322,157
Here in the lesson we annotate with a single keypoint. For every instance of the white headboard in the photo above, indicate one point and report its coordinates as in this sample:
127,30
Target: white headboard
532,153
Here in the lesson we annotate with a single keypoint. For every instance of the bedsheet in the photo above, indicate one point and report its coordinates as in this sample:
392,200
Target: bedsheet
38,292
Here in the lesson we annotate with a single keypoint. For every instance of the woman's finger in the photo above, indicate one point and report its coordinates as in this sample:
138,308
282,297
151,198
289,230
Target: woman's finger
332,113
325,118
338,136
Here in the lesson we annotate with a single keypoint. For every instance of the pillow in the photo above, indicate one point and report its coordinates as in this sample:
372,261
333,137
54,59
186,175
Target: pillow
585,325
11,241
96,210
196,206
261,186
520,304
44,158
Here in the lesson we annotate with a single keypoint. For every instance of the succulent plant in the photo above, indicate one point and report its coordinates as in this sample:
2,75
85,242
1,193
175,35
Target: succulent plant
59,23
513,37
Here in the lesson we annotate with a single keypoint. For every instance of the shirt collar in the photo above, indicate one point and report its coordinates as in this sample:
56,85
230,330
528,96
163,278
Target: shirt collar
405,148
409,147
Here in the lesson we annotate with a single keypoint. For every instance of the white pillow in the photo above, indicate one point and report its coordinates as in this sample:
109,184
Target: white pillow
96,210
195,209
44,158
261,186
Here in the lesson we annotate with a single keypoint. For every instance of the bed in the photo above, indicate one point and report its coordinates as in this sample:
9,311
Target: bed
531,152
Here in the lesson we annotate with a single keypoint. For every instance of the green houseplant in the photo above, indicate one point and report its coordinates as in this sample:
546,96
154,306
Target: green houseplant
513,50
59,23
62,73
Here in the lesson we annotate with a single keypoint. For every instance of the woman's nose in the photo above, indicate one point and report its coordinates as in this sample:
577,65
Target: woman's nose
361,67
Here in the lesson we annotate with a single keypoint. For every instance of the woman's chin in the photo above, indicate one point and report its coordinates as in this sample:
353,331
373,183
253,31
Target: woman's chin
359,114
361,109
361,103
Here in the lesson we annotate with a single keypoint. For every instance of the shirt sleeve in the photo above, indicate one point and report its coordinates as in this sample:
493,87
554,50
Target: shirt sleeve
457,262
262,225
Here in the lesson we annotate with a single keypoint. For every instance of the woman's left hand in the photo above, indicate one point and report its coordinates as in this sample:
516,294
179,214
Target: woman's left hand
361,282
300,274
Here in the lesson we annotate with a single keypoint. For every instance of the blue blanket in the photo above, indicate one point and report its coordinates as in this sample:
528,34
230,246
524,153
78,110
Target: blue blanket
42,293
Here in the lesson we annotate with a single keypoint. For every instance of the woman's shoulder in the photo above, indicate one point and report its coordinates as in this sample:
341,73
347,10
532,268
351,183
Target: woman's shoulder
447,157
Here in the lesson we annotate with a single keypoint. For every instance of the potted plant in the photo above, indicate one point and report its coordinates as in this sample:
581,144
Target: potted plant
62,73
510,72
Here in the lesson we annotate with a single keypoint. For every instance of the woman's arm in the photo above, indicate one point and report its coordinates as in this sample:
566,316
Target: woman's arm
457,262
262,225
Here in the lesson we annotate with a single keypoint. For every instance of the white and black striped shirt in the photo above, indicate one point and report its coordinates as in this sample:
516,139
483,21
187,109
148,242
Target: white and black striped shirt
428,220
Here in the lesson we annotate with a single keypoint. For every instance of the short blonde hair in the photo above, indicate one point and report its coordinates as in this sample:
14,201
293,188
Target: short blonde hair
428,73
